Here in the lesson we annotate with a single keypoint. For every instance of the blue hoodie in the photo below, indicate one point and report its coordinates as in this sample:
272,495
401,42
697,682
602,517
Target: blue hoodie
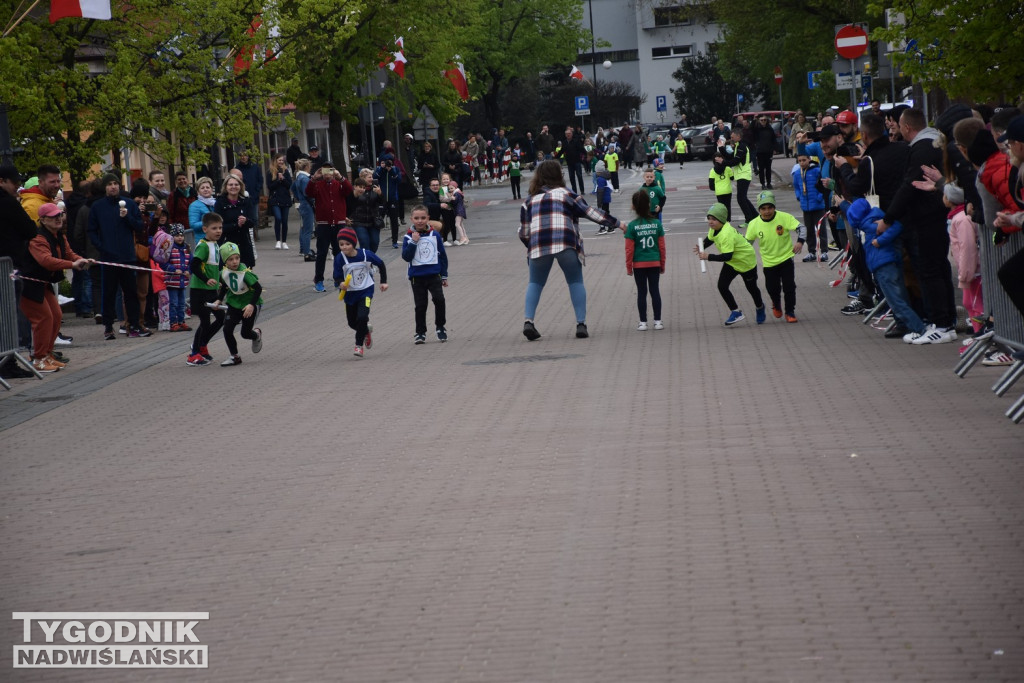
862,217
112,235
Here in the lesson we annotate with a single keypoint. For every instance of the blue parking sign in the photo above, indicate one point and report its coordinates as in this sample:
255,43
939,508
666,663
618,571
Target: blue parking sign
582,102
661,102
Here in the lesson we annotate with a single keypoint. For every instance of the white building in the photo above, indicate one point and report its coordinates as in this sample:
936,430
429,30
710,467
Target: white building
648,38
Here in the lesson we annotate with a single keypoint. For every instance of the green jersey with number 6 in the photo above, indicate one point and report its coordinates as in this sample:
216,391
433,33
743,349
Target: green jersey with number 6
239,285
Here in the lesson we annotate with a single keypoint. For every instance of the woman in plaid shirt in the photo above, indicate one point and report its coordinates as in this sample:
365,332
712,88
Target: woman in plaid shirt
549,227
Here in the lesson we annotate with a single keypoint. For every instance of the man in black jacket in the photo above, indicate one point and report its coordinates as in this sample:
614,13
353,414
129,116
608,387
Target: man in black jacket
16,229
924,235
764,146
575,156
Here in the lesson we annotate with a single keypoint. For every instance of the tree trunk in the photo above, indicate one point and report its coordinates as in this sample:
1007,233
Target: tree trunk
492,106
338,138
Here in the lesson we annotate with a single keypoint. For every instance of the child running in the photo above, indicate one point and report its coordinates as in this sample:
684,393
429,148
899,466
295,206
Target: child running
428,273
354,267
205,270
515,176
645,258
240,289
737,258
771,231
720,182
654,192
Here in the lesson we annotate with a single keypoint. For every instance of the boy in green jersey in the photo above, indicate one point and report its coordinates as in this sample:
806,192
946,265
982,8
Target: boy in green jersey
680,149
737,257
240,289
205,270
720,182
771,231
645,257
656,195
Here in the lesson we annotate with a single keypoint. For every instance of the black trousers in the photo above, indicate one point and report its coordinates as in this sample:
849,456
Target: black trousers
764,168
516,181
358,315
729,274
1011,277
746,206
421,286
928,249
326,236
210,320
576,178
780,281
231,320
124,279
390,210
811,219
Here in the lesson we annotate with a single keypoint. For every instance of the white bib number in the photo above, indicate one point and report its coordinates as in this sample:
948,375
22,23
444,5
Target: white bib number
426,252
235,280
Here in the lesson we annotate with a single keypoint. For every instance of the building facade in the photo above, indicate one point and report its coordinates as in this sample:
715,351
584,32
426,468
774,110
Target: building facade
647,38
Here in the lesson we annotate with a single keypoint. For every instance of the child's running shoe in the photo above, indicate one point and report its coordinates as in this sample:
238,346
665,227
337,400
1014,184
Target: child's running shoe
205,353
232,360
257,343
196,359
658,325
734,318
776,311
761,315
419,339
442,335
790,318
641,326
368,342
358,351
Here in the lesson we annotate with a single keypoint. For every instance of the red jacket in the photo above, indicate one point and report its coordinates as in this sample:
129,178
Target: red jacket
177,206
996,179
329,195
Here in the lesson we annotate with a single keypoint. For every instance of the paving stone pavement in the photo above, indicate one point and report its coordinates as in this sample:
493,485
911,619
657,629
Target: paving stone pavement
804,502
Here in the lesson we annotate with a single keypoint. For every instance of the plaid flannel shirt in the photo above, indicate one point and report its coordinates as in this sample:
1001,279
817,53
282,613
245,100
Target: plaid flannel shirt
549,222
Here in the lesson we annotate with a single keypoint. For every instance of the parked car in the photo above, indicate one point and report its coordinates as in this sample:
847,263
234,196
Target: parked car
697,144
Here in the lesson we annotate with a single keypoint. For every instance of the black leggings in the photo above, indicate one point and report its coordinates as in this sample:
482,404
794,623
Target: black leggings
198,298
780,280
516,182
648,279
233,317
727,200
326,237
1011,277
725,279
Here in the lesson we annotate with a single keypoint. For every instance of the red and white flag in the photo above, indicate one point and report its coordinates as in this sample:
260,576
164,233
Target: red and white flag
576,73
87,9
397,61
457,75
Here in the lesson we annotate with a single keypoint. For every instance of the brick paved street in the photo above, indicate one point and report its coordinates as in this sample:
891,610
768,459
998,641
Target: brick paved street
775,503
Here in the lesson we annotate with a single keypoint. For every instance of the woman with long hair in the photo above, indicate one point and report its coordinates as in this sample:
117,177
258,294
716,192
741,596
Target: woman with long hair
549,228
239,215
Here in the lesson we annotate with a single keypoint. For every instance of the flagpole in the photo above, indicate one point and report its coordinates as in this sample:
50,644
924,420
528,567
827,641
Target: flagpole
15,24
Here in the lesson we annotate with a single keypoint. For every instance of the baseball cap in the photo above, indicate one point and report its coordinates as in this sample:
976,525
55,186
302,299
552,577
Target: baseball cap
314,147
47,210
831,130
1014,131
8,172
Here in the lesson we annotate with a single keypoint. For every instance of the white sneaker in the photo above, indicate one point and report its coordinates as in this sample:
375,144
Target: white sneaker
911,337
277,246
448,244
936,335
61,299
284,245
658,325
641,326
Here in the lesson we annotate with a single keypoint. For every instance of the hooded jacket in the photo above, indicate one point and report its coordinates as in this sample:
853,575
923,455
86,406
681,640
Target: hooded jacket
887,161
863,217
32,199
114,236
16,229
919,209
805,184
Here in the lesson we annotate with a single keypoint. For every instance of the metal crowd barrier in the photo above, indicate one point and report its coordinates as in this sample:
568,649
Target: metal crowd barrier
1008,321
9,320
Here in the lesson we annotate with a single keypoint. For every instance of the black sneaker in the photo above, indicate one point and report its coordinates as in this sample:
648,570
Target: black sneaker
108,334
419,339
442,335
581,331
530,332
233,360
853,308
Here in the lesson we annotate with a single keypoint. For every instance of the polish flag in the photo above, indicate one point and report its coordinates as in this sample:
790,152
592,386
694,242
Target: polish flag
457,75
576,73
243,60
396,61
87,9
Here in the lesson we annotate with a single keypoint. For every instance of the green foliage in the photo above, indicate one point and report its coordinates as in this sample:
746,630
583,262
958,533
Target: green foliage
704,91
794,34
970,49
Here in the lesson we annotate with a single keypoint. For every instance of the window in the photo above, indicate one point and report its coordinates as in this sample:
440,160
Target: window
615,56
672,16
674,51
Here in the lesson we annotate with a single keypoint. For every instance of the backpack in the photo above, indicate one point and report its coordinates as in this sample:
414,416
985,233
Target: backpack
160,249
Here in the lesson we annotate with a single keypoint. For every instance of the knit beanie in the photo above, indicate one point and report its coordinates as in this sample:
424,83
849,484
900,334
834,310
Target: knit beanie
765,197
954,194
349,235
720,212
227,249
140,188
110,178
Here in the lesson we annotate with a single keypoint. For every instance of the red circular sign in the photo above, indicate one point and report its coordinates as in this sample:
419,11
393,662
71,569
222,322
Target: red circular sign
851,42
778,75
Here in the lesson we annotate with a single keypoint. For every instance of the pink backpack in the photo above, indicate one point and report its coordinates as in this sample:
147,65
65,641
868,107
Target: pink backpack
160,249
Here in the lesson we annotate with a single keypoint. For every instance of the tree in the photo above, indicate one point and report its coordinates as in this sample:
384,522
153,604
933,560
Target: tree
970,49
704,92
518,38
158,77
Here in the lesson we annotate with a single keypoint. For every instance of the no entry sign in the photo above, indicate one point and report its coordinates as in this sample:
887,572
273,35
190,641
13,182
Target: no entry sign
851,42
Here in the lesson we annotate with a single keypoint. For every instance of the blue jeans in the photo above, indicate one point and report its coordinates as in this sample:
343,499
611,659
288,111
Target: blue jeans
176,298
890,279
569,262
306,231
369,237
81,290
280,222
